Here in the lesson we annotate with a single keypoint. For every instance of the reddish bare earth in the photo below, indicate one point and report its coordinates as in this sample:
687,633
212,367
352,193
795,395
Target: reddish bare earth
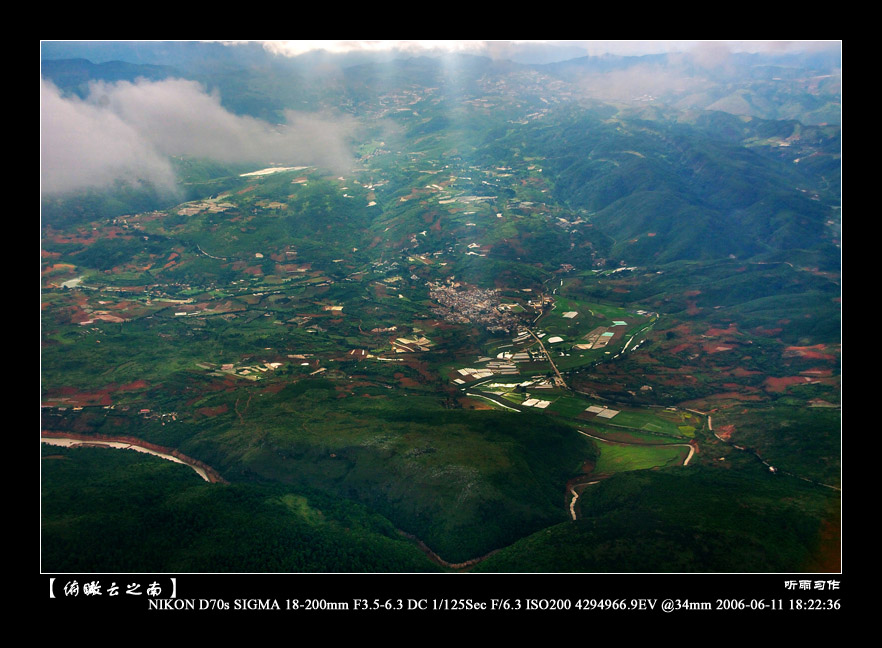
717,332
475,404
80,399
740,372
734,396
133,386
781,384
817,352
764,332
213,411
89,237
404,381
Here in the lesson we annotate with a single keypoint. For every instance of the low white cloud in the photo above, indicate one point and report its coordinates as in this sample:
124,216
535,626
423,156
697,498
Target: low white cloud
537,50
636,81
711,54
298,47
128,131
84,146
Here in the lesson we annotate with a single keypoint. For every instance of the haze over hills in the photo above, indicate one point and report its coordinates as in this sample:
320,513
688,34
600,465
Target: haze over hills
445,306
802,82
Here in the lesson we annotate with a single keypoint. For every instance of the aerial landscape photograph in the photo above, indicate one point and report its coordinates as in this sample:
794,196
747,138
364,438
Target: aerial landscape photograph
475,308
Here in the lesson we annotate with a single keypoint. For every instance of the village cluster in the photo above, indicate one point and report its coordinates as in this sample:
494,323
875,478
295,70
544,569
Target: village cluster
460,304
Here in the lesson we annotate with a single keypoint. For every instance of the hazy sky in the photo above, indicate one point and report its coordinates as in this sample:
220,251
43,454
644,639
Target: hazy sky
567,49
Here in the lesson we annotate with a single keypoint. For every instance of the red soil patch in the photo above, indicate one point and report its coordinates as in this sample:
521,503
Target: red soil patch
812,352
414,193
677,380
106,317
227,383
740,372
717,332
421,367
725,432
734,396
133,386
58,267
88,238
719,347
473,403
213,411
405,381
82,399
781,384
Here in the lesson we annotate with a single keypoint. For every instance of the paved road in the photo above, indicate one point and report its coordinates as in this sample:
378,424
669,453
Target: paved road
560,381
122,445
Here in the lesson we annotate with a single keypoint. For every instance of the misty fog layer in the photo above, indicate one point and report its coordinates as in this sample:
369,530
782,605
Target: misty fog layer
127,131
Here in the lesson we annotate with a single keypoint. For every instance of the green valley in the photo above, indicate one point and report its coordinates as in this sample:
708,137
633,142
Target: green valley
462,317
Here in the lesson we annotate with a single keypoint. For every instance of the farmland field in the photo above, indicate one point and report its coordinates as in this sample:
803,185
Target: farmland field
616,457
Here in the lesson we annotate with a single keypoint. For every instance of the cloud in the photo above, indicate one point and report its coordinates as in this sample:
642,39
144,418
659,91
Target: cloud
637,80
533,51
129,130
298,47
711,54
84,146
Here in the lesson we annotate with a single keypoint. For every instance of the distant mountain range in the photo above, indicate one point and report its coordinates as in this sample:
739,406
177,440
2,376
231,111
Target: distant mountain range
801,86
